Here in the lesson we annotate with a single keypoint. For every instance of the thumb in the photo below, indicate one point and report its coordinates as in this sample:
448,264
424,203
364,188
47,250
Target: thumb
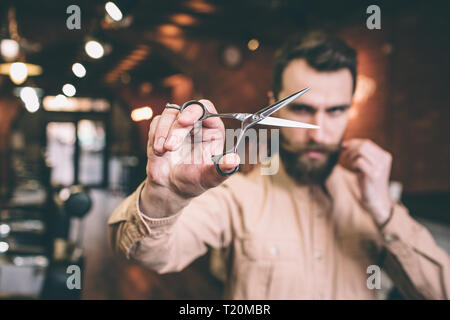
226,164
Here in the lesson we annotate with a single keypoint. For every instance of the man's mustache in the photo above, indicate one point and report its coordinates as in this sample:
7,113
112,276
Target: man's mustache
311,146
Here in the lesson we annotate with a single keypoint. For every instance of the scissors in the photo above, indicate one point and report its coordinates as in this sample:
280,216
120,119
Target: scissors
249,120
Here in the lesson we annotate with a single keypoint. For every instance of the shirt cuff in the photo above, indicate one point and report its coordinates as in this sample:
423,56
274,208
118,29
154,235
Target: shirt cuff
155,227
400,225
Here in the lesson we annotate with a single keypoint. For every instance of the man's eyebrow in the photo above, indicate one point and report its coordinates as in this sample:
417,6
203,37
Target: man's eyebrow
342,106
301,105
307,107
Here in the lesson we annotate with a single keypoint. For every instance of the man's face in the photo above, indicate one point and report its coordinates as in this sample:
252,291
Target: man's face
310,154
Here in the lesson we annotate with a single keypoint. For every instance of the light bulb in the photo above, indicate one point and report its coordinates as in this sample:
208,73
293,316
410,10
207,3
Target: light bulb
9,49
79,70
113,10
30,98
18,72
94,49
143,113
253,44
69,90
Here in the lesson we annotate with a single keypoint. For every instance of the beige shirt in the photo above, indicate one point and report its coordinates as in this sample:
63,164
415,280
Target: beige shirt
288,241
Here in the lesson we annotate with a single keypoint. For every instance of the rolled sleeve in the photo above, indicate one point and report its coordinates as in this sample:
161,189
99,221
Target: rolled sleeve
395,228
418,267
126,227
170,243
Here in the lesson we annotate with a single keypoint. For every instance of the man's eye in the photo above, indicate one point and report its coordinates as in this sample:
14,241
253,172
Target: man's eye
336,110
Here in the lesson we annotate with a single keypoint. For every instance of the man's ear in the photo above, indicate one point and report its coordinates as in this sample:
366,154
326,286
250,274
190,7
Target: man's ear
271,97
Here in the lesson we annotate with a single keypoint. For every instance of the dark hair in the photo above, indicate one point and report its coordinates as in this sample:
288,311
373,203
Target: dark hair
320,50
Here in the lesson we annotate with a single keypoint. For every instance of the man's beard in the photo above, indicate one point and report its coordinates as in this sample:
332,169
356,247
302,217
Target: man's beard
306,170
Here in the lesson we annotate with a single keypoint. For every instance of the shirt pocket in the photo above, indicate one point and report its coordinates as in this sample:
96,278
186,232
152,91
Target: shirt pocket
271,266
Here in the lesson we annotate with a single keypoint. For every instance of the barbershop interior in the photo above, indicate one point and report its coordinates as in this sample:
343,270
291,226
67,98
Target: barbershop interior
80,82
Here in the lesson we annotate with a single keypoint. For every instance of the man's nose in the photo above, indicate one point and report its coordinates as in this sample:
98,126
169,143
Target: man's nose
317,135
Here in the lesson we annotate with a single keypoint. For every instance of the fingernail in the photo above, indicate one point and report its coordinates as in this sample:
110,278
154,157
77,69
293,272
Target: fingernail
160,142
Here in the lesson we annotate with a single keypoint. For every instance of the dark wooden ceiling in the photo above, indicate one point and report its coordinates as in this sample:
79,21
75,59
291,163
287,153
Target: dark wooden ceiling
44,22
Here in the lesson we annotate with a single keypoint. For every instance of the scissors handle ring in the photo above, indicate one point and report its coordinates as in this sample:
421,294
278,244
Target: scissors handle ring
172,106
187,104
216,160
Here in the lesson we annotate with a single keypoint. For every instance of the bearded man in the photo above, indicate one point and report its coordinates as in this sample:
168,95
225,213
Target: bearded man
310,231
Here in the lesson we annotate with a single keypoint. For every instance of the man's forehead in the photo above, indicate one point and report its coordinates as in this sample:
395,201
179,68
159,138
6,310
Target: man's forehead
328,88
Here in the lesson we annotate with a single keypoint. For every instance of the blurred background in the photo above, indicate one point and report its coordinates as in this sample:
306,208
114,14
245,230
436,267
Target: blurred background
75,107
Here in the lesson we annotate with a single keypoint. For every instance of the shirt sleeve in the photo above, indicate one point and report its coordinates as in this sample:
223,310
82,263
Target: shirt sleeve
417,266
170,244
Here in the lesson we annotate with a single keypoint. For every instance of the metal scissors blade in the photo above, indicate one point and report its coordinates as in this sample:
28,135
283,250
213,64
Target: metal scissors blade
272,121
267,111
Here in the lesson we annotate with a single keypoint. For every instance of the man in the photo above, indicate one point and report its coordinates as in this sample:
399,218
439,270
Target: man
310,231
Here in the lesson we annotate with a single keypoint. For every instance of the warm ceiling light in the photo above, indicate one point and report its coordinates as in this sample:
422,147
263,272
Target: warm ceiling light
69,90
253,44
183,19
18,72
61,100
94,49
9,49
140,114
79,70
113,10
32,69
169,30
30,99
201,6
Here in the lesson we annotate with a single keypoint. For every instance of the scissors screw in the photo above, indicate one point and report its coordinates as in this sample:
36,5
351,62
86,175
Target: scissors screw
255,117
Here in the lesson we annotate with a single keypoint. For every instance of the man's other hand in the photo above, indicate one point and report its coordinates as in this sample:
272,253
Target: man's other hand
373,166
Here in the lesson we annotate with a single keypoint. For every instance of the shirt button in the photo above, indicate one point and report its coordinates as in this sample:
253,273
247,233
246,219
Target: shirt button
274,251
318,255
319,214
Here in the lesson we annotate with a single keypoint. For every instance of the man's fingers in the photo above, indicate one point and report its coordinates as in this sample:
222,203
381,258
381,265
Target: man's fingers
176,135
168,116
355,148
193,112
189,115
187,120
173,126
352,143
182,126
151,134
363,165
